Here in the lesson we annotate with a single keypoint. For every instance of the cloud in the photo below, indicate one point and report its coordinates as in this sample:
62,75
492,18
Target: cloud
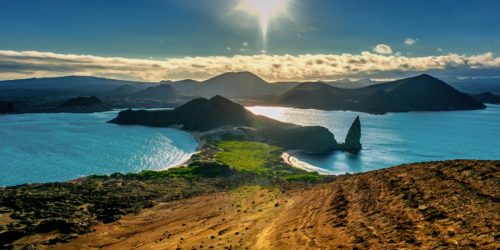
245,44
305,67
383,49
411,41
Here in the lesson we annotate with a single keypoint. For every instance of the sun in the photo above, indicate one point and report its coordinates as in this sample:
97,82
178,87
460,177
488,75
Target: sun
264,10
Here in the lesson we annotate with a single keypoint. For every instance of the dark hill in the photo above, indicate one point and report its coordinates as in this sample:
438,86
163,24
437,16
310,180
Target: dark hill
126,90
66,85
315,95
162,91
220,113
420,93
232,85
197,115
187,86
81,102
487,97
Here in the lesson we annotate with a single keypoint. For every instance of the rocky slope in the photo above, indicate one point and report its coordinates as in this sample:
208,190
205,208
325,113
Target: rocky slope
434,205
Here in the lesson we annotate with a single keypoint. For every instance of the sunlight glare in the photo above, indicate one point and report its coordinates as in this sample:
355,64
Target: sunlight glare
264,10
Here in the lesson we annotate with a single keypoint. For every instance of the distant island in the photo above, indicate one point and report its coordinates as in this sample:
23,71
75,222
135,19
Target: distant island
420,93
218,117
487,97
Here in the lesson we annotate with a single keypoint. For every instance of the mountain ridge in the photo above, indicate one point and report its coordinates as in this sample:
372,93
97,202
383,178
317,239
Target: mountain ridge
419,93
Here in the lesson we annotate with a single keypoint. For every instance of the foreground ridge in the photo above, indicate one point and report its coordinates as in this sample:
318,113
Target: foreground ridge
439,205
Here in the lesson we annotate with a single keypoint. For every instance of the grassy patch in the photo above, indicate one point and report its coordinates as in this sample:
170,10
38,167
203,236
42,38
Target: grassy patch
305,177
247,156
261,159
208,169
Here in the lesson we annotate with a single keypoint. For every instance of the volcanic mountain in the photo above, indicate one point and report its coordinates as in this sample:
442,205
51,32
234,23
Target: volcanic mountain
232,85
162,91
419,93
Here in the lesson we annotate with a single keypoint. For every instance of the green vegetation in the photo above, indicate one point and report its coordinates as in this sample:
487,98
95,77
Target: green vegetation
207,169
261,159
306,177
247,156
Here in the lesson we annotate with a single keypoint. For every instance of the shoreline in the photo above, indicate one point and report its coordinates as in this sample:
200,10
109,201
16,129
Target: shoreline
187,159
288,158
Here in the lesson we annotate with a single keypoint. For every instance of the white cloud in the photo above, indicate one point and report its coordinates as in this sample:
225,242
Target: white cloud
411,41
305,67
245,44
383,49
228,48
440,49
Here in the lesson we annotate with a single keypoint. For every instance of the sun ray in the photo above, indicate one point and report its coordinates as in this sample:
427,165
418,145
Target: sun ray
264,11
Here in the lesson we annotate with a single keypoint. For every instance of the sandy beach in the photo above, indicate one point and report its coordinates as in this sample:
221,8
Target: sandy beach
288,157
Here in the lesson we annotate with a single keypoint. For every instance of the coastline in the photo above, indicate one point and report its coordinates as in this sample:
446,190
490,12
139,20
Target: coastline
187,159
288,157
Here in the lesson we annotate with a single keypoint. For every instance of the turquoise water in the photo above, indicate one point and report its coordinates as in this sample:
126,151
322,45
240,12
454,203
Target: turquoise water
399,138
57,147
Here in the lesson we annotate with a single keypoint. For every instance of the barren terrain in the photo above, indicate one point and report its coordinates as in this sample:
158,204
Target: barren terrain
436,205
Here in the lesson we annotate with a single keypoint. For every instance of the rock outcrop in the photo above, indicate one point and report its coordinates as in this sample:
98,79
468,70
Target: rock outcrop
353,138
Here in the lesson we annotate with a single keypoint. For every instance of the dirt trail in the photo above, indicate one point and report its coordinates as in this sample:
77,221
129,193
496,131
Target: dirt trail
442,205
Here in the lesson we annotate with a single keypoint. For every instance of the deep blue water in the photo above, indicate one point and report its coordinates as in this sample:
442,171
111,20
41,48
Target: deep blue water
399,138
58,147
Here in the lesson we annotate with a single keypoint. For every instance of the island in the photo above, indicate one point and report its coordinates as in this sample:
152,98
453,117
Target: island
419,93
487,97
219,117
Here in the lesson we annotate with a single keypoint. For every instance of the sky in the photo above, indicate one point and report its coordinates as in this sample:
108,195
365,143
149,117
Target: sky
153,40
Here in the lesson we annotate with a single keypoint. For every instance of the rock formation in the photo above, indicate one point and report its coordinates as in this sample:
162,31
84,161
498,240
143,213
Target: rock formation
353,138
